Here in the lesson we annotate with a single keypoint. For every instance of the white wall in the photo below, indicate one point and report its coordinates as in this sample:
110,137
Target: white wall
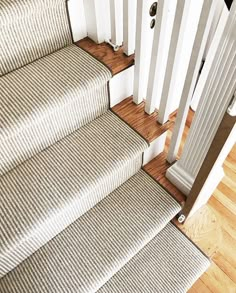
77,19
97,15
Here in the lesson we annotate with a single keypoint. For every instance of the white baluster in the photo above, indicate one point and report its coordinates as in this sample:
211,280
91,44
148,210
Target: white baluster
160,50
180,21
116,12
204,24
129,28
143,43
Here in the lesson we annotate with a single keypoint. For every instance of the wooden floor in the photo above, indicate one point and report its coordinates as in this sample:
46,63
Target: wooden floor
212,228
143,123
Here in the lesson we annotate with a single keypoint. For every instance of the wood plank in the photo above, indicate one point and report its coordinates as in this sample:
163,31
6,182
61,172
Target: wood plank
157,169
116,61
225,265
143,123
217,281
199,287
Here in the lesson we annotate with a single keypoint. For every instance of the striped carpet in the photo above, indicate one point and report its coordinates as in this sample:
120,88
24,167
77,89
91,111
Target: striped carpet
90,251
44,195
50,98
169,263
31,30
76,212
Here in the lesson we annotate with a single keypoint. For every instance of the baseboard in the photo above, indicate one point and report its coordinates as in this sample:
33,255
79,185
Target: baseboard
182,180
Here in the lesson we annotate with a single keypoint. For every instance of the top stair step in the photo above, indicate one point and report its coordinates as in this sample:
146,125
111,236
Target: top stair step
115,61
47,100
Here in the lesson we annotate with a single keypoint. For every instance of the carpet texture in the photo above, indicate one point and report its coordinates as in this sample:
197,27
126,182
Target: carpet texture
47,193
30,30
47,100
168,263
77,213
90,251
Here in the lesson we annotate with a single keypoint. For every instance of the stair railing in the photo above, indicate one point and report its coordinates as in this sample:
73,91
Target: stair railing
171,38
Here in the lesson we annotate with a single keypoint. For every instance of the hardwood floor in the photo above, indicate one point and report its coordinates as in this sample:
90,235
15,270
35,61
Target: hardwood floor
143,123
116,61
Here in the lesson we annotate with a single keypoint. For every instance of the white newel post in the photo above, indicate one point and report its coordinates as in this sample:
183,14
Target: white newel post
215,98
217,172
207,12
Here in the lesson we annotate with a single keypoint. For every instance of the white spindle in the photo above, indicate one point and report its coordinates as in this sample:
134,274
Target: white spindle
129,28
143,42
182,10
204,24
116,12
157,56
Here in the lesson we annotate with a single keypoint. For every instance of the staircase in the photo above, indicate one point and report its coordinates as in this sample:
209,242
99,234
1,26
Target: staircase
78,211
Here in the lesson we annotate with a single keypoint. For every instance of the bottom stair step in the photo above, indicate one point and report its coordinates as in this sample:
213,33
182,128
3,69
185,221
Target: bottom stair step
168,263
84,256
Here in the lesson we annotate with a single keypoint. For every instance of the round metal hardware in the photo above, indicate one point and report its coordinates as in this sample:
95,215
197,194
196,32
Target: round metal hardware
153,9
181,218
116,48
152,24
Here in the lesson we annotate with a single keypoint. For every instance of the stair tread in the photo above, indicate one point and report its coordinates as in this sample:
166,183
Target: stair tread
84,256
168,263
51,98
47,193
115,61
146,125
